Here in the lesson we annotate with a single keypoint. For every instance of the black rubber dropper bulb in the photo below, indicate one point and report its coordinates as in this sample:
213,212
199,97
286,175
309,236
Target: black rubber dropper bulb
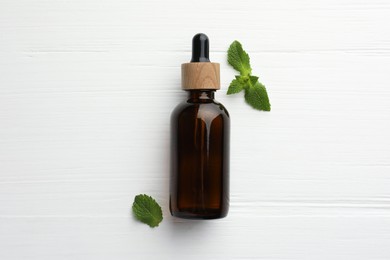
200,48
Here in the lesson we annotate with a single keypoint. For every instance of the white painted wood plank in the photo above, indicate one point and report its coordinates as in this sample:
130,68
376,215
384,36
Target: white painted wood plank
86,90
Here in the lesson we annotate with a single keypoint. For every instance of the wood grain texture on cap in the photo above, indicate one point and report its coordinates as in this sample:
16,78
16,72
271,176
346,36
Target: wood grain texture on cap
200,75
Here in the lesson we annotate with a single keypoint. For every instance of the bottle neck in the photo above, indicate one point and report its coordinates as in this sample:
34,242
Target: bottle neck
203,95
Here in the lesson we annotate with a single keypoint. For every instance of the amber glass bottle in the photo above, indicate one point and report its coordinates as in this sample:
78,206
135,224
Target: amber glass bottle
200,127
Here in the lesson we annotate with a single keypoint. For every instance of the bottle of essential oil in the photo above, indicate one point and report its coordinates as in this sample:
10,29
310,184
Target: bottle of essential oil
200,128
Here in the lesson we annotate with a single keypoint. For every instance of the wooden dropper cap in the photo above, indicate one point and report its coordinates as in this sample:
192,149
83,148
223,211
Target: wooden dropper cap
200,73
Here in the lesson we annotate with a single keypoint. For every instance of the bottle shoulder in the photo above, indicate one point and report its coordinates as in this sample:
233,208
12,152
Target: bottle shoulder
214,108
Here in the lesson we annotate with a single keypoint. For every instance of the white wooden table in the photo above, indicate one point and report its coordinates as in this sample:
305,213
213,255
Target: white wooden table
86,91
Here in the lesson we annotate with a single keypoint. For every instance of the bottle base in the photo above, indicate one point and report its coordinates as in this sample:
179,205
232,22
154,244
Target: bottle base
203,214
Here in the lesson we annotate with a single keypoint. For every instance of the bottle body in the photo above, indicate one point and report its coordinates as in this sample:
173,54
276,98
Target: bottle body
200,136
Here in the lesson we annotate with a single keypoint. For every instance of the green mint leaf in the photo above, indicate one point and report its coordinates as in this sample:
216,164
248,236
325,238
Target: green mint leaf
239,59
253,80
255,92
235,86
256,96
147,210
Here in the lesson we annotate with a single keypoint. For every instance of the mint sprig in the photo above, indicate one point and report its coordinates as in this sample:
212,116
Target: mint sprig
255,92
147,210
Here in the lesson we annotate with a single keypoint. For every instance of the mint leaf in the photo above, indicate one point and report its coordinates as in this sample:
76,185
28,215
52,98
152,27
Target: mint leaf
253,80
239,59
255,92
147,210
235,86
257,97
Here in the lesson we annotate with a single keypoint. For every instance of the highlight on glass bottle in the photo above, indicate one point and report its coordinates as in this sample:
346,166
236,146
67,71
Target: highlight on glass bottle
200,133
